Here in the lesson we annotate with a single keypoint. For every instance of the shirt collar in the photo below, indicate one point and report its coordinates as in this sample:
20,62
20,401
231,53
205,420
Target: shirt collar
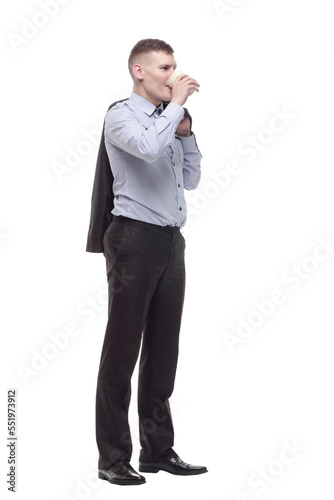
143,104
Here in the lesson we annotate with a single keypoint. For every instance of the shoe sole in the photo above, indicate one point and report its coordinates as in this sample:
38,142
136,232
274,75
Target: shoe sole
154,468
126,482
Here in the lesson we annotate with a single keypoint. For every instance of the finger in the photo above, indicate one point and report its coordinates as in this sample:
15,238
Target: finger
194,82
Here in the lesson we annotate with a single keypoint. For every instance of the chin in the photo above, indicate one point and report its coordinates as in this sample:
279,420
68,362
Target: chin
168,94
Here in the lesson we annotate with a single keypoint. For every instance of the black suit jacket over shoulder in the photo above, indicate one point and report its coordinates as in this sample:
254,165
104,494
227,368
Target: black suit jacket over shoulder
102,201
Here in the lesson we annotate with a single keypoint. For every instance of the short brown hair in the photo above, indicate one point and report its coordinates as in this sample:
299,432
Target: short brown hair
145,46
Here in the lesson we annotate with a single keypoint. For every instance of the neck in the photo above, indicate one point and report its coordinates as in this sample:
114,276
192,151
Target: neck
141,91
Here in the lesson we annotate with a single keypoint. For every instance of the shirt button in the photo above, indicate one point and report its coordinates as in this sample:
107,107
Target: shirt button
178,185
180,209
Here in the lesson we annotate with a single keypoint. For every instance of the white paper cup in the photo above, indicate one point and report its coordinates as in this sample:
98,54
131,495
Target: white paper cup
174,77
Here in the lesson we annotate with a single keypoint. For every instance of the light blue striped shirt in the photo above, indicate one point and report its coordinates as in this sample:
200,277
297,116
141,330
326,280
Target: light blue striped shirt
151,164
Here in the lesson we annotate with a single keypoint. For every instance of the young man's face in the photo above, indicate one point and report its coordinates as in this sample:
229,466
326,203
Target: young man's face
156,70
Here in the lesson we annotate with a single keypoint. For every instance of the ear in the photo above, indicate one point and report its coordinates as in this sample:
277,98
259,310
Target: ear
137,71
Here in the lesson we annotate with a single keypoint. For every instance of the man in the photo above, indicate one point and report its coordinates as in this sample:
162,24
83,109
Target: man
153,157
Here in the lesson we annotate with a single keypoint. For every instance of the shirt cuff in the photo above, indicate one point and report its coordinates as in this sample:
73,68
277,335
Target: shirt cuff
188,143
174,112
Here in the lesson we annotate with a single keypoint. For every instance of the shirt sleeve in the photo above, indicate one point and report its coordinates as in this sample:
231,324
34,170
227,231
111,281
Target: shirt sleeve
123,129
191,162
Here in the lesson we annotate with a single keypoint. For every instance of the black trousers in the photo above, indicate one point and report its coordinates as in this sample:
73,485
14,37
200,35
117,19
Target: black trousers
146,281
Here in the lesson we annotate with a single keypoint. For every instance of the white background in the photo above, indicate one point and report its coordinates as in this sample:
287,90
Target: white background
234,408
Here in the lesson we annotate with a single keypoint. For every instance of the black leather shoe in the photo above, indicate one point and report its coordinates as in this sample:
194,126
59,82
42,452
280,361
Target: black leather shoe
122,473
174,466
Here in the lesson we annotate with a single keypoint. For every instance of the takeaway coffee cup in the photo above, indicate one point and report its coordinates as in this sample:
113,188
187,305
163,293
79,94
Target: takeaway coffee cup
174,77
